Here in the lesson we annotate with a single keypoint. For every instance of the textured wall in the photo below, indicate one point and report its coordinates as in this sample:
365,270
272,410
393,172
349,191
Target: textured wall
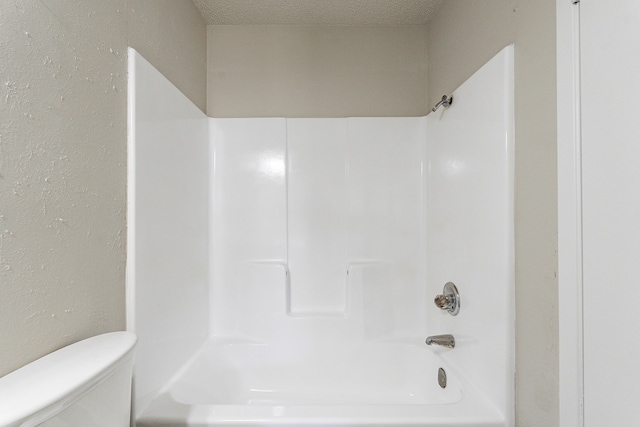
463,35
314,12
63,136
172,35
316,71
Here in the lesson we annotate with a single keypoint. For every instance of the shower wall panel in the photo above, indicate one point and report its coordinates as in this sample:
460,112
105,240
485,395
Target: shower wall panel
470,226
317,215
386,222
318,219
168,219
249,223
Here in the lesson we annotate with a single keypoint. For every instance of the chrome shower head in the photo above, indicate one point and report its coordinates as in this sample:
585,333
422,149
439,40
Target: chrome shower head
445,102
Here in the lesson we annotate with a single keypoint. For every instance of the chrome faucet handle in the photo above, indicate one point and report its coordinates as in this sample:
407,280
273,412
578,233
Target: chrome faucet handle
442,301
449,300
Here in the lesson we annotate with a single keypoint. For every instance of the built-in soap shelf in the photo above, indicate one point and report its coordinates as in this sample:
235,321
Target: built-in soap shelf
270,279
266,311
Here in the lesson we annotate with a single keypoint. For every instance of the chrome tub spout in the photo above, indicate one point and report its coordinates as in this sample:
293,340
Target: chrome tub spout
443,340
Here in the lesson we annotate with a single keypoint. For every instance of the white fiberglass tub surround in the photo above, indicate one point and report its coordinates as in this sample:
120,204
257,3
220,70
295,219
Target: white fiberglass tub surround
282,271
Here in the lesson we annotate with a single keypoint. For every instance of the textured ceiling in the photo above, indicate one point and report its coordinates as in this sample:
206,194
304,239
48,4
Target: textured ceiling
317,12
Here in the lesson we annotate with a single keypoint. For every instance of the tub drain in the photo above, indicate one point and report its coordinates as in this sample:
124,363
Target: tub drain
442,378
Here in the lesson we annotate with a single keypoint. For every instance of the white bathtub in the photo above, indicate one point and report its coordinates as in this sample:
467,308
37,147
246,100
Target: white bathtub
315,240
363,384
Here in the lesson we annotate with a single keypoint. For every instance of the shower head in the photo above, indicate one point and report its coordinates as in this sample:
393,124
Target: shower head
445,102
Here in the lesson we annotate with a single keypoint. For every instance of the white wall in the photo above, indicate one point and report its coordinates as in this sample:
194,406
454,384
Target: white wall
63,109
168,211
610,210
598,154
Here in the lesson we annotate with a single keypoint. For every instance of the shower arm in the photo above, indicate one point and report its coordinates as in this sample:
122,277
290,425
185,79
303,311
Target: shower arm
445,102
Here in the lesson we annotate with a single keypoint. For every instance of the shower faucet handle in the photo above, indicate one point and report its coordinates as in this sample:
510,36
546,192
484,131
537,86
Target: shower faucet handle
449,300
442,301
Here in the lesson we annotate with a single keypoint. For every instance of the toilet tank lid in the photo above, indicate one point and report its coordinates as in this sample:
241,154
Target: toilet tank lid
50,384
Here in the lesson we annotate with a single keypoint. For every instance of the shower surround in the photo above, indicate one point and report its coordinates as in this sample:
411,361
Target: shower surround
282,271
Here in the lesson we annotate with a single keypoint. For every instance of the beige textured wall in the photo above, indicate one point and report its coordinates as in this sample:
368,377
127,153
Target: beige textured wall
63,136
316,71
171,34
462,36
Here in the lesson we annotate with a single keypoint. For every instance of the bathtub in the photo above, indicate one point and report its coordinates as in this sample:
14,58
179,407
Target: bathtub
283,273
361,384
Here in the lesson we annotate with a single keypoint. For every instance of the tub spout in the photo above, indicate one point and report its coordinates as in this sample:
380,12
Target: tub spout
444,340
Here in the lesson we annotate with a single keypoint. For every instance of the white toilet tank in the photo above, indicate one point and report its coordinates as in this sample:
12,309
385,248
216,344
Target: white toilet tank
86,384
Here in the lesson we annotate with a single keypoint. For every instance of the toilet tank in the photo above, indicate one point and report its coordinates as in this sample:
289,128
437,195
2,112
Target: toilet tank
86,384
